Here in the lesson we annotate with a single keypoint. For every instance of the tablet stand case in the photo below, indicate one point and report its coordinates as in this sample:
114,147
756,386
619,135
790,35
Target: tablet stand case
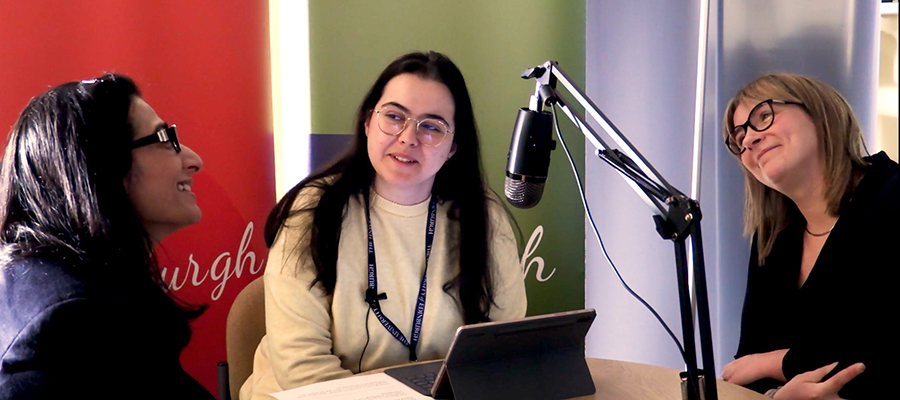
545,363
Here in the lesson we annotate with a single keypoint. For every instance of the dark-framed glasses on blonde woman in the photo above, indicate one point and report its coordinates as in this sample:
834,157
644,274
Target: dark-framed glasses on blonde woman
760,118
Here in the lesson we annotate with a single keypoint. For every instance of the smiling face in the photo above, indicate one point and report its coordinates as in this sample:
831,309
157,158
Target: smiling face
786,155
404,167
159,182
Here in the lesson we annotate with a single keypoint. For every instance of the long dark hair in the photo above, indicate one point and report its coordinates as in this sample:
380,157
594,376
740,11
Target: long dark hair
62,191
459,182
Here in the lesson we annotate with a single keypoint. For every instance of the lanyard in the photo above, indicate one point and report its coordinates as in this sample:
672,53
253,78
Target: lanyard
371,293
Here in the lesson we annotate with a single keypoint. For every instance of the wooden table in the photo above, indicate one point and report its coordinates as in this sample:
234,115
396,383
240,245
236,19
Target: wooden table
622,380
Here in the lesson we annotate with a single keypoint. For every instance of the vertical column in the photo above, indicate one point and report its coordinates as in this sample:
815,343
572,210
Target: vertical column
641,71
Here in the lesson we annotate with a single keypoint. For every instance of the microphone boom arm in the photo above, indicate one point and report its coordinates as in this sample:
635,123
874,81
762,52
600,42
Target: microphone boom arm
646,189
634,168
676,215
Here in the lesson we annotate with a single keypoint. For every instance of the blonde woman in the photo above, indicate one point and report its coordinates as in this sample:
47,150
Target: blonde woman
824,220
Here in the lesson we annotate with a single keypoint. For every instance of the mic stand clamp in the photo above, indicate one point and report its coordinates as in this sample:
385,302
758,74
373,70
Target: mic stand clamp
677,218
681,214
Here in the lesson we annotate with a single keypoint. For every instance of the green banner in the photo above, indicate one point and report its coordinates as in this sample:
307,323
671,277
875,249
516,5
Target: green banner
492,42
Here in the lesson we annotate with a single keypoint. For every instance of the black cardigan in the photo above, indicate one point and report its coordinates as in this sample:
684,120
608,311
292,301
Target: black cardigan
846,310
66,334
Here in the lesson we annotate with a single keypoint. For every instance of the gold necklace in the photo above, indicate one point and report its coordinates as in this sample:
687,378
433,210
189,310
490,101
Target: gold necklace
820,234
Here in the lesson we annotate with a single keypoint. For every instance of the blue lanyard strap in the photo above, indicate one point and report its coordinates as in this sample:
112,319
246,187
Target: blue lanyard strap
371,293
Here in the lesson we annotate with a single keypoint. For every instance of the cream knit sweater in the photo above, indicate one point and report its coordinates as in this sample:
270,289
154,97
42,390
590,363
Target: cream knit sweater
312,337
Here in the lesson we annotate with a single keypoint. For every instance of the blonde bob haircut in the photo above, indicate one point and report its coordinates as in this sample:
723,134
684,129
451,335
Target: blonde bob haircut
766,211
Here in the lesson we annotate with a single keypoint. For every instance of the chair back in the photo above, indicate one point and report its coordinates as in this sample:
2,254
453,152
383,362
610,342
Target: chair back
244,329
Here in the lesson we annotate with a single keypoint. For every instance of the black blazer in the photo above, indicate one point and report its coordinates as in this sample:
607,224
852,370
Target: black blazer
66,332
846,309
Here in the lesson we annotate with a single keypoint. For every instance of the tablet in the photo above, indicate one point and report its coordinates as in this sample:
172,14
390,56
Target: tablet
534,357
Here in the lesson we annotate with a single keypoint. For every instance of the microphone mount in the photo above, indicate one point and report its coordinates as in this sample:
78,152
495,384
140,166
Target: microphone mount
677,216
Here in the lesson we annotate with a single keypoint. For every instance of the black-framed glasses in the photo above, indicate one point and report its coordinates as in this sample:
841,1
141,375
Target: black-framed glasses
761,118
166,134
430,131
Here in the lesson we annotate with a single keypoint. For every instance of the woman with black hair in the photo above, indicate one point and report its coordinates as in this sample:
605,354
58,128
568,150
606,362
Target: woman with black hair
91,180
377,259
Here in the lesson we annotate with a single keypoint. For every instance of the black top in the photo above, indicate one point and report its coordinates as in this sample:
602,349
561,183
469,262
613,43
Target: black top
846,309
66,334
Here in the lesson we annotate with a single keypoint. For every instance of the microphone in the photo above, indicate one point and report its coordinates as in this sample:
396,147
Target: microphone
529,158
372,296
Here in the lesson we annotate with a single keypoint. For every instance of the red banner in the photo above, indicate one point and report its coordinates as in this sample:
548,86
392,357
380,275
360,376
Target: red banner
201,65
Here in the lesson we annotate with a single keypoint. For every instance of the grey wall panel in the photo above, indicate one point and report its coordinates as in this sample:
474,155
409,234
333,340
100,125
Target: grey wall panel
835,41
640,64
832,40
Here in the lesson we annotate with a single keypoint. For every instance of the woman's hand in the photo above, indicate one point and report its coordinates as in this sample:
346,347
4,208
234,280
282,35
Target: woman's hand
808,385
753,367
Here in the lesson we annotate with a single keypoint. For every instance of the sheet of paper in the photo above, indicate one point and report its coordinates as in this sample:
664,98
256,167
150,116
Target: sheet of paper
360,387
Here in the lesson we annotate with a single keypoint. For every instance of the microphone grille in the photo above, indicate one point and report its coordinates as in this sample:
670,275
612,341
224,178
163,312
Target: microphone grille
522,194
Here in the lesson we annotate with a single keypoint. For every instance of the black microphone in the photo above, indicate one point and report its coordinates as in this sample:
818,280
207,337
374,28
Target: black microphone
529,158
372,296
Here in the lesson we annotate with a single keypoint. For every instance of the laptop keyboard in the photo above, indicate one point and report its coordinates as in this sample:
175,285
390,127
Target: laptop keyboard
424,381
419,376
